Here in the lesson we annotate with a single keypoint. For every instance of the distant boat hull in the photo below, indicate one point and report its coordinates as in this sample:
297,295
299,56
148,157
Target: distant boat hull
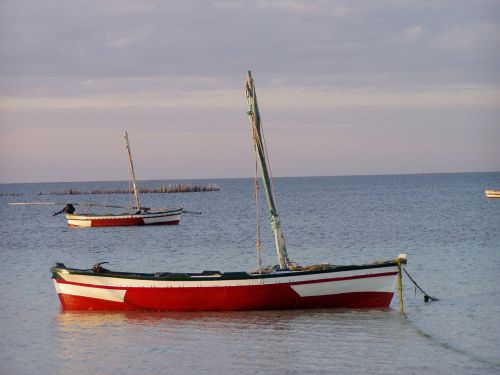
169,217
370,286
492,193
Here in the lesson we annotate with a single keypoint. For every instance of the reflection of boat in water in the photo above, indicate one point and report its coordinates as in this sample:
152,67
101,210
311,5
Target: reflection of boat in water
216,342
492,193
68,320
286,286
87,319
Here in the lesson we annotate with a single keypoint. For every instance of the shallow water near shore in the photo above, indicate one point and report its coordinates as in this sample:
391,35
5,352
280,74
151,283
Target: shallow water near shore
444,223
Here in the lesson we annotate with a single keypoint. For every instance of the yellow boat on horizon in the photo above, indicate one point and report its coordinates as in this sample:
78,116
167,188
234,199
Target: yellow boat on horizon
492,193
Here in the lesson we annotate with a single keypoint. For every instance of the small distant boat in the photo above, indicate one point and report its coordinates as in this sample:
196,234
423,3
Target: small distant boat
136,215
284,286
168,217
492,193
144,216
140,216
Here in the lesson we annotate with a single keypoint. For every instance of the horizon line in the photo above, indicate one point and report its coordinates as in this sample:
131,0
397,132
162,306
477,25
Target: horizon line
251,177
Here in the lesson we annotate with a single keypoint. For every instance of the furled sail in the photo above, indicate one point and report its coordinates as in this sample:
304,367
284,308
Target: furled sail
259,144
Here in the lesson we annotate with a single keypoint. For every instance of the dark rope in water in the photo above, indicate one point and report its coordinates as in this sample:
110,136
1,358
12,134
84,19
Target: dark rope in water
427,297
450,346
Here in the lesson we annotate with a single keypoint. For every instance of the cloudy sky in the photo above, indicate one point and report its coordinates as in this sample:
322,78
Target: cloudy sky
345,87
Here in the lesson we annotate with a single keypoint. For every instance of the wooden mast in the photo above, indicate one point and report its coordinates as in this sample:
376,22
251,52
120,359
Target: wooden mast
254,117
132,174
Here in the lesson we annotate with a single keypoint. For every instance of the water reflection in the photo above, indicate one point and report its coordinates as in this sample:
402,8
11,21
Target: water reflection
286,319
250,340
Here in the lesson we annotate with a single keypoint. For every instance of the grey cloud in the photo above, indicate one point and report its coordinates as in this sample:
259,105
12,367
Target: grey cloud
330,43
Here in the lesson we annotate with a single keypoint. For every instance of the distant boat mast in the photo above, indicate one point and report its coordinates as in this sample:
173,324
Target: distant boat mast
132,174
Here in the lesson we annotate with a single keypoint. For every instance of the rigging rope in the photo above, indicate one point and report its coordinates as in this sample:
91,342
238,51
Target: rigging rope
258,244
264,146
131,198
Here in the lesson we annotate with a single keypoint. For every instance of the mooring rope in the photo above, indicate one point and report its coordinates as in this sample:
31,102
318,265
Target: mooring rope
427,297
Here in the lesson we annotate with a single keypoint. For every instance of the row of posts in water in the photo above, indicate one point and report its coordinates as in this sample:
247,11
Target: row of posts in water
170,188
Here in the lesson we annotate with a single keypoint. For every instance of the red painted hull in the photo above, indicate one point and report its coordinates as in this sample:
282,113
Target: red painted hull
122,223
219,302
356,288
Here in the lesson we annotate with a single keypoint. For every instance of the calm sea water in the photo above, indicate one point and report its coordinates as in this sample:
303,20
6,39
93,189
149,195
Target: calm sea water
450,231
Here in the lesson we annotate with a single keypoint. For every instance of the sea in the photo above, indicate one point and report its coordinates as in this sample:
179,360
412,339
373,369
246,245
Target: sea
443,222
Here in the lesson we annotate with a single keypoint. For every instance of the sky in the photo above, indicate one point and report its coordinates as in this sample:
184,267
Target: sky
345,87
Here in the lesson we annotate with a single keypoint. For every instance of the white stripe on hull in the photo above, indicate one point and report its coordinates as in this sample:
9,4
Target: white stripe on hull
115,295
161,219
147,219
373,284
80,223
124,282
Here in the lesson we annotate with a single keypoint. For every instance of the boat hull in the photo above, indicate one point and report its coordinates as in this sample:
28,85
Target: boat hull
170,217
342,287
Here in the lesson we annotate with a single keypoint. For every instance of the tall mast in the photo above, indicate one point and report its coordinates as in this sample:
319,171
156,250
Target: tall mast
259,144
132,174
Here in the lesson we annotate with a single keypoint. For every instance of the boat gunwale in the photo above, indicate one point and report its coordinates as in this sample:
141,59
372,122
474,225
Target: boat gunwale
216,275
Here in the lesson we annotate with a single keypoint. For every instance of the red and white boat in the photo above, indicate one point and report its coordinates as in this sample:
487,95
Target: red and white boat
367,286
138,215
164,217
286,286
